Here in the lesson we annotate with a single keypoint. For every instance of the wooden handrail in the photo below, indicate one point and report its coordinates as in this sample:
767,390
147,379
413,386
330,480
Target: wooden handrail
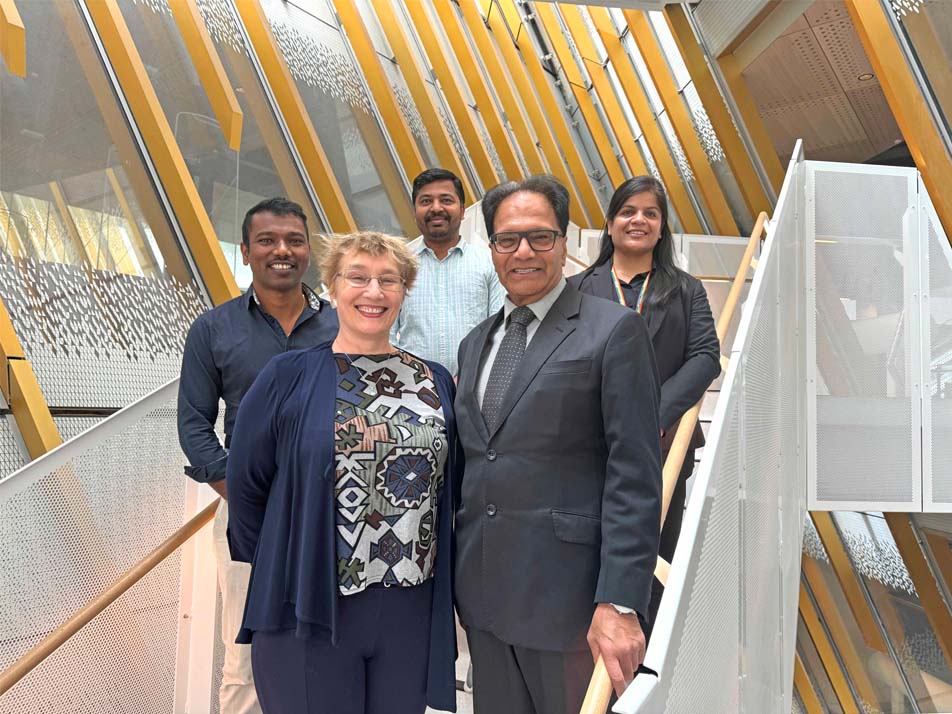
600,687
19,669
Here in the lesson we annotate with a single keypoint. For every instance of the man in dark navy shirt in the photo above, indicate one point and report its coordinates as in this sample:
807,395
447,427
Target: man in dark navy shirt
225,350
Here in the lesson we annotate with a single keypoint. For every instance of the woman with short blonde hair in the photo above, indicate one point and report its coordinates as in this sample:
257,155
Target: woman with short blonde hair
340,484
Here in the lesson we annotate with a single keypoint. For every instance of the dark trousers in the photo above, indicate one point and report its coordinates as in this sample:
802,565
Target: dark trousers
378,667
516,680
670,533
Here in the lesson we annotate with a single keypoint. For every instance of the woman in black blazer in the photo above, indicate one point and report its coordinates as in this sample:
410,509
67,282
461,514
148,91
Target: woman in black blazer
636,267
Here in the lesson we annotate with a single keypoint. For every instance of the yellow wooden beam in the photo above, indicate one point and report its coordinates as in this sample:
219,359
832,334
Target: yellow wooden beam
15,244
166,156
942,553
738,159
598,73
139,243
465,121
907,103
295,114
932,603
546,14
750,115
848,579
23,394
827,654
677,193
12,38
209,68
677,111
853,662
553,108
72,230
801,681
469,64
555,162
414,75
504,85
393,120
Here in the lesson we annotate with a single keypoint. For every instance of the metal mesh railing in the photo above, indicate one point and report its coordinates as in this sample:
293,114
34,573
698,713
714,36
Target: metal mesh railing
726,630
71,524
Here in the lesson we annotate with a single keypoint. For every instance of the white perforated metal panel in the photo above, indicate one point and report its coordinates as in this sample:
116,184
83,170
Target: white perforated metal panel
936,321
71,427
725,635
97,338
862,250
11,455
67,534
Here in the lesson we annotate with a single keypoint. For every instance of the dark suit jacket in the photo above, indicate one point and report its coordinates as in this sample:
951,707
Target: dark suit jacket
560,505
685,343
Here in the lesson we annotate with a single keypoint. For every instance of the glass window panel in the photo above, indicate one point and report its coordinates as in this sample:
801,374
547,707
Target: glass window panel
490,85
446,116
436,27
398,83
880,565
669,47
888,689
815,670
228,182
928,28
572,116
342,114
91,271
716,157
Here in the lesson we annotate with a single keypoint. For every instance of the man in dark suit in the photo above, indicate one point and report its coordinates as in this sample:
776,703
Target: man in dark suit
557,529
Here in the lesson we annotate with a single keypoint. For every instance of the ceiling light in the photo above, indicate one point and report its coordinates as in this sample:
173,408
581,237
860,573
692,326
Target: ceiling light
865,77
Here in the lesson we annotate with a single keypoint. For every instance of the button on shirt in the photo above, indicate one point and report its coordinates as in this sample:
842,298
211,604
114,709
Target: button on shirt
225,350
540,309
449,298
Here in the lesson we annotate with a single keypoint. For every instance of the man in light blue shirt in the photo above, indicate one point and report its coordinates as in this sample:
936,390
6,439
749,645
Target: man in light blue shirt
456,287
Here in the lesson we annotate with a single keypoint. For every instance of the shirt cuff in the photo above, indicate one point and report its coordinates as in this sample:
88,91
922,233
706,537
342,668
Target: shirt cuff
622,610
215,471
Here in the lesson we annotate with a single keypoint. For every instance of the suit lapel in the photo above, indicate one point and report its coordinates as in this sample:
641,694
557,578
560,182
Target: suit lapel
473,359
602,284
654,316
554,329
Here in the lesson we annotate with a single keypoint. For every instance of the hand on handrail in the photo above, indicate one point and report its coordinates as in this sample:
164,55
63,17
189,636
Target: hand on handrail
617,641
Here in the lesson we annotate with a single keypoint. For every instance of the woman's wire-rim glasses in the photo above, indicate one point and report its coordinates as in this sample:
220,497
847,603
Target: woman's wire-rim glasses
388,282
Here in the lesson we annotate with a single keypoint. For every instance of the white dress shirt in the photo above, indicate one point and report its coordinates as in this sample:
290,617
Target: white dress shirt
539,308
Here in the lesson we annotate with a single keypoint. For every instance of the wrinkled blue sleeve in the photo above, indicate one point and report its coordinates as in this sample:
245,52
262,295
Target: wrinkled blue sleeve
252,463
200,389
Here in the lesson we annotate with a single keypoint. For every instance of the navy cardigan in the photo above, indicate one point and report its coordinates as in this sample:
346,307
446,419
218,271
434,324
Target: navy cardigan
280,480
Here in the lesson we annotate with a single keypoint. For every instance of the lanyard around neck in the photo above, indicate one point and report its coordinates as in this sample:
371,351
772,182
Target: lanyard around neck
639,306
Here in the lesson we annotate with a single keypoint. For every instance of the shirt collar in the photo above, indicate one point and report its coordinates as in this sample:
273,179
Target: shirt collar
541,307
313,301
637,276
419,247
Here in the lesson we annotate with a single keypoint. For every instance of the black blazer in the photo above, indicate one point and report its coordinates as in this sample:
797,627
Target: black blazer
560,504
687,351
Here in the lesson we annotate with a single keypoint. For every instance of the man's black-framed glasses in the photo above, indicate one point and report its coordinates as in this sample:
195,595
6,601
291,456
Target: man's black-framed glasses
540,240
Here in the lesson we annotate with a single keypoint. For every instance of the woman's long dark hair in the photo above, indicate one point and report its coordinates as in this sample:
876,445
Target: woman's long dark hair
667,276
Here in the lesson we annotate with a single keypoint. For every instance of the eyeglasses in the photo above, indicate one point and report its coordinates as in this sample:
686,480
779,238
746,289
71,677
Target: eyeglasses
388,283
540,240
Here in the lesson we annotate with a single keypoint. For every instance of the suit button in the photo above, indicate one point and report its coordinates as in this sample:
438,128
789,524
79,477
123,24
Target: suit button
491,454
490,510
